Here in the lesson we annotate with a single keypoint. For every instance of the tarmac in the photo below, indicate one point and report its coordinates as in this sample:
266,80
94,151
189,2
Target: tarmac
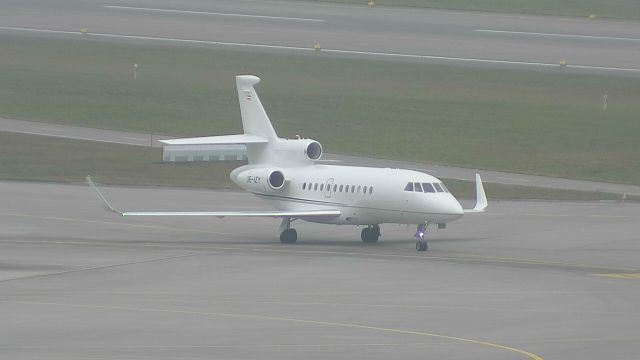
395,34
526,280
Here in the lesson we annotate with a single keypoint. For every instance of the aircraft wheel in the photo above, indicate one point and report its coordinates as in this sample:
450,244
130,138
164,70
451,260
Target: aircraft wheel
421,246
369,235
289,236
365,234
376,230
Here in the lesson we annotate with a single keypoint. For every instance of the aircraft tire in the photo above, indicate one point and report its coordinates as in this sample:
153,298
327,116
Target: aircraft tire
365,235
369,235
421,246
289,236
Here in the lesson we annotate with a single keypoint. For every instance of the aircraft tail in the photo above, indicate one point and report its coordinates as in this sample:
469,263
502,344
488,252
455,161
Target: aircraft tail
258,132
254,119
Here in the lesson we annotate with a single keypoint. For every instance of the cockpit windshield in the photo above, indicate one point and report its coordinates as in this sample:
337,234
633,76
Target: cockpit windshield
426,187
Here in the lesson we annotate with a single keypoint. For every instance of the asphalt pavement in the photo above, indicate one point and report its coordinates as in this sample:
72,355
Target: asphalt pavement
526,280
395,34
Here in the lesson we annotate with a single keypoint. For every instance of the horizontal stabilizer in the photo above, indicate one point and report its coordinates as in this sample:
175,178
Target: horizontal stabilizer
217,140
220,214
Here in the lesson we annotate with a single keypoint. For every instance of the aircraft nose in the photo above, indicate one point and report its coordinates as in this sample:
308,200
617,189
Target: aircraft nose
454,206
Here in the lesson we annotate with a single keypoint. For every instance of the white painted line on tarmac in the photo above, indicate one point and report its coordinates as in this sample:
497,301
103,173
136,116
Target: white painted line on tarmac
212,13
575,36
84,138
512,179
330,51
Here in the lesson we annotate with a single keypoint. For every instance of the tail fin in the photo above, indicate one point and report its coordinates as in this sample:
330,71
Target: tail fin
254,119
258,133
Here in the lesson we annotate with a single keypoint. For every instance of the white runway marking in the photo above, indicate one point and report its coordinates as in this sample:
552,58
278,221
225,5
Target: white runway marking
557,35
512,179
332,51
211,13
84,138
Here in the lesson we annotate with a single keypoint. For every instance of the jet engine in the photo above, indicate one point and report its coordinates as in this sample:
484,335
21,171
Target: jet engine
296,151
313,150
275,180
258,179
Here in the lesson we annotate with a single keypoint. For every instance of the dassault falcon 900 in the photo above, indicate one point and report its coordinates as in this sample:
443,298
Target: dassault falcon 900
286,173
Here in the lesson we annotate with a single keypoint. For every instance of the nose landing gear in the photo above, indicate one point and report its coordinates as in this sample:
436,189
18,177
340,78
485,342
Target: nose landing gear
421,244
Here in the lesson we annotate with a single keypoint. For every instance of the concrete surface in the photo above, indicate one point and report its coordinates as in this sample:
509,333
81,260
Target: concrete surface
527,280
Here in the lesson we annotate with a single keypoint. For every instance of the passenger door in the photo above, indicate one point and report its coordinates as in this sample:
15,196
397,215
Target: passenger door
328,188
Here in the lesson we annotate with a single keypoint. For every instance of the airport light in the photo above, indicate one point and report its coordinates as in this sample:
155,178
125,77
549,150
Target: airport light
84,31
605,105
372,3
592,17
562,62
135,71
317,47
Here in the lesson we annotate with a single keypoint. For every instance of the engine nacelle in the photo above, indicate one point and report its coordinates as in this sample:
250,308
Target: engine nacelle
298,150
313,150
258,179
275,180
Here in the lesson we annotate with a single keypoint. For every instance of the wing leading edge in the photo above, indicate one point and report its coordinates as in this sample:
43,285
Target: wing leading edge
220,214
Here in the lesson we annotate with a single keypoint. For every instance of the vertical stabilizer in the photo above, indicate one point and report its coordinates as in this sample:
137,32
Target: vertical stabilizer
254,119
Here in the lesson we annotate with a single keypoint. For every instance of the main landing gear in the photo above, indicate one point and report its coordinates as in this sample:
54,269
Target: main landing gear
370,234
421,244
288,235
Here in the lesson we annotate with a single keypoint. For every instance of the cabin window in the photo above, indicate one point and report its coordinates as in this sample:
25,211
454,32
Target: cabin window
438,187
359,187
417,187
304,186
370,190
364,190
315,186
335,187
444,188
428,188
321,187
341,188
353,189
409,187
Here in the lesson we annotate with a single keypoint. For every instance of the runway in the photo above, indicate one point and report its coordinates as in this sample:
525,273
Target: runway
394,34
527,280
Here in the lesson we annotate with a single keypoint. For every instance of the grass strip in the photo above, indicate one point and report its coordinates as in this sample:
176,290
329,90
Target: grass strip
535,122
41,158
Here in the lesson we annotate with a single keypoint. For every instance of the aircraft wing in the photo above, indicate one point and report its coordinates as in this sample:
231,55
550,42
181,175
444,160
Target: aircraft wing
220,214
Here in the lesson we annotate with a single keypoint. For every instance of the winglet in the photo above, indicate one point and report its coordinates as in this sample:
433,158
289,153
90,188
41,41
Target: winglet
481,197
107,206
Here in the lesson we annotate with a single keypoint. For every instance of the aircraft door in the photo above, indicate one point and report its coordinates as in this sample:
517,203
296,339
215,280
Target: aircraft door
328,189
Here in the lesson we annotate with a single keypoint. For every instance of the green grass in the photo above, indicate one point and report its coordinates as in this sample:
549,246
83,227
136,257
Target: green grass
41,158
547,123
615,9
467,190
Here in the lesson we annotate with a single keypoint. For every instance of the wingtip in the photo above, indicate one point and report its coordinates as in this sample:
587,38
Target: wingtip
481,197
105,203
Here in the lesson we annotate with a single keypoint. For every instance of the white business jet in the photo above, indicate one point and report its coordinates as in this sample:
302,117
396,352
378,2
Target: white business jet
286,173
